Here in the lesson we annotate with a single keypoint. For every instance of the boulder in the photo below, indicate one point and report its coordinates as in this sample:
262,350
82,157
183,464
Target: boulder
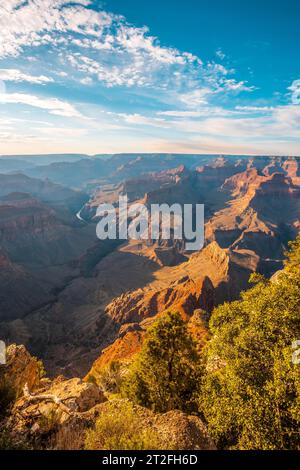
20,369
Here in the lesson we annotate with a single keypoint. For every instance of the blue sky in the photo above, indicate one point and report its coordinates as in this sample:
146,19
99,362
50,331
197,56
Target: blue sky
194,76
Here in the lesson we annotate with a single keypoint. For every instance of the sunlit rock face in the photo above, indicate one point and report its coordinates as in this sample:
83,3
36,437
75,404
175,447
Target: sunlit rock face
68,296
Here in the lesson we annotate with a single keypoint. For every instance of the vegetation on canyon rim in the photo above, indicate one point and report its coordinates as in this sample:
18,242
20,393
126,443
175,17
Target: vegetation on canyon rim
242,384
250,394
247,388
120,429
166,373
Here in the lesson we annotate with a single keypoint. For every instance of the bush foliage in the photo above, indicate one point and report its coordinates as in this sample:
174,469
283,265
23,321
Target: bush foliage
118,428
165,375
250,395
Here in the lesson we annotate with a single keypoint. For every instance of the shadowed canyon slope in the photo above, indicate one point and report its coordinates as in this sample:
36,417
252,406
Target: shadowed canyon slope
68,296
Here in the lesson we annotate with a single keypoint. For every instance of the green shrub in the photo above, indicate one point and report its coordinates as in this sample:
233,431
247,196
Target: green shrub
41,368
165,375
250,396
118,428
109,379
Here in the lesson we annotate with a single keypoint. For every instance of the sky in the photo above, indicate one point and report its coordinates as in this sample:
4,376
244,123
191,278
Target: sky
174,76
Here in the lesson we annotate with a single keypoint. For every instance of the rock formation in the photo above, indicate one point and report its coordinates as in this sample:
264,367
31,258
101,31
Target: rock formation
66,295
54,414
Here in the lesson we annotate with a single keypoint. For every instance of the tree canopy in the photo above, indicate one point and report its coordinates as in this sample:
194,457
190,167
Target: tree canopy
250,395
165,374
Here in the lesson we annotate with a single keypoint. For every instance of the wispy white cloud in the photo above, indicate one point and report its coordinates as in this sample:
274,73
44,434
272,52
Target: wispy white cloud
184,97
15,75
138,119
237,86
62,132
104,47
180,114
201,112
220,54
247,123
295,89
283,122
35,22
52,105
195,98
86,81
254,109
200,96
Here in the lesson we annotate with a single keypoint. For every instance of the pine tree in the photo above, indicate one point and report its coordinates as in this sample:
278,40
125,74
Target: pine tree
165,375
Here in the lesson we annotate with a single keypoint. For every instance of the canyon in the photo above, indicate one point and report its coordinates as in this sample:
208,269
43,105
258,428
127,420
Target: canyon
79,303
